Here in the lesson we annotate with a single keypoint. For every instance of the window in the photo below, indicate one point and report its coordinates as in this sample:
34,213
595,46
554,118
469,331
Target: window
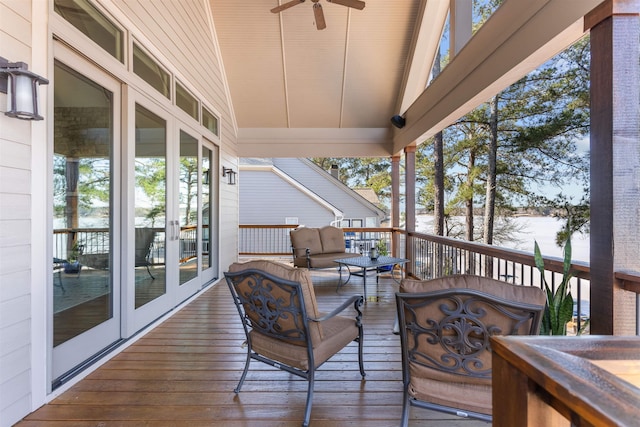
210,121
291,220
90,21
149,70
351,223
187,102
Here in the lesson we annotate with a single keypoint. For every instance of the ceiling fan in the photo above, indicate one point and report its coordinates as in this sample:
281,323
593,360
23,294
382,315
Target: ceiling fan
317,9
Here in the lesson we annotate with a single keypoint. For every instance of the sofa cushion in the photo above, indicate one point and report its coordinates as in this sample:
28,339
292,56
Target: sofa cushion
328,260
306,237
332,239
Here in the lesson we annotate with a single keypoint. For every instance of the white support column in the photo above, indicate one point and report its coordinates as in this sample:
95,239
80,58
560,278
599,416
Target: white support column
461,25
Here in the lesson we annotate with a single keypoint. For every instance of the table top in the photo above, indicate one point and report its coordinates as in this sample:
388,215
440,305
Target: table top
366,262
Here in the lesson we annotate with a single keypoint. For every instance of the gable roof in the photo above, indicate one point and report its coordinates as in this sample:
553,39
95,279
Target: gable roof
316,182
324,184
368,194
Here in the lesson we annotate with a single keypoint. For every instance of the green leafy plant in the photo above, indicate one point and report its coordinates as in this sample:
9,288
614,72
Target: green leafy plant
382,247
559,309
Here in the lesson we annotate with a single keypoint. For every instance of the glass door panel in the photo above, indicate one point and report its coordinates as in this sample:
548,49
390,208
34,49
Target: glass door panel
150,206
86,315
206,206
188,208
210,181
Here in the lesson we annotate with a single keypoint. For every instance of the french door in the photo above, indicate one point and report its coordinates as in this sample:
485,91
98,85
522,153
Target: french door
164,212
86,291
134,212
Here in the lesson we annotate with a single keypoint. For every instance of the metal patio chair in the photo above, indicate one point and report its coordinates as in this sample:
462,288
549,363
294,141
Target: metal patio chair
445,326
282,324
144,238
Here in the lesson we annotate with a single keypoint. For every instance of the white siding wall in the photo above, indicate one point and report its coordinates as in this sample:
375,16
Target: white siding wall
327,187
15,224
267,199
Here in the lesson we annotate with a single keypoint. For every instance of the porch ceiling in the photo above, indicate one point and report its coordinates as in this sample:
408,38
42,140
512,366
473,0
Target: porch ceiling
300,92
330,90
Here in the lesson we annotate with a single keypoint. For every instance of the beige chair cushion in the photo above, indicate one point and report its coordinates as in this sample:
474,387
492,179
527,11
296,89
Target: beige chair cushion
306,238
332,239
338,332
300,275
466,396
528,294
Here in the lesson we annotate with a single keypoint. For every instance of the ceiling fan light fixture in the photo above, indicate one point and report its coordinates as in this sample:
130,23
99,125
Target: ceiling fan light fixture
286,6
317,9
318,14
356,4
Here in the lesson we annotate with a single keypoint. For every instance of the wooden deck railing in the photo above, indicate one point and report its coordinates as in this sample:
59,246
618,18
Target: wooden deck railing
273,240
566,382
430,256
433,256
94,243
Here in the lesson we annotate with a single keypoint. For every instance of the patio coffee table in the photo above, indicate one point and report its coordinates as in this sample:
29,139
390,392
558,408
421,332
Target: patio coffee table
364,264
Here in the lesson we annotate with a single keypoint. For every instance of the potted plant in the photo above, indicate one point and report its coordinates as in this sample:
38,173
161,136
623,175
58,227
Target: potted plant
559,309
381,247
71,265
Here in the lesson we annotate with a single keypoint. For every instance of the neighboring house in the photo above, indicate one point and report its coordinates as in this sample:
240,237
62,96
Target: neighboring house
297,191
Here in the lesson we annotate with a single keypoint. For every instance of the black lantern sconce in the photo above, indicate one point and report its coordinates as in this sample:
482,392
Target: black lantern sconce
21,87
230,174
205,177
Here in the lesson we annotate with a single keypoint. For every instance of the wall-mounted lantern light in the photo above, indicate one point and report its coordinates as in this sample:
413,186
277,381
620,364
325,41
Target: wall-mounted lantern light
205,177
21,87
230,174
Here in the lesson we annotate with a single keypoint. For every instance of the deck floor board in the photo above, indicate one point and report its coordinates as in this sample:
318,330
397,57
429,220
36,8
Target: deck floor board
184,371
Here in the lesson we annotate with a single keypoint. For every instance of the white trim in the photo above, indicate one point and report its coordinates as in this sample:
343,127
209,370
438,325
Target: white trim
423,51
517,38
344,188
314,142
41,134
223,74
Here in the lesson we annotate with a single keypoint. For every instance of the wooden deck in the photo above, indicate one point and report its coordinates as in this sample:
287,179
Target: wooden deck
183,372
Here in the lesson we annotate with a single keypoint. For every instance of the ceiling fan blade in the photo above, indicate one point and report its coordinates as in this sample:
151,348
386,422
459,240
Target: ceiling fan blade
356,4
319,15
286,6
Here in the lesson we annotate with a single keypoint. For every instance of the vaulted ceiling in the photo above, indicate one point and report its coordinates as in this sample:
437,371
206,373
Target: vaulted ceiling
302,92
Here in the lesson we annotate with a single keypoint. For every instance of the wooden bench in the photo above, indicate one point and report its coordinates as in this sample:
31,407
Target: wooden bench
318,247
